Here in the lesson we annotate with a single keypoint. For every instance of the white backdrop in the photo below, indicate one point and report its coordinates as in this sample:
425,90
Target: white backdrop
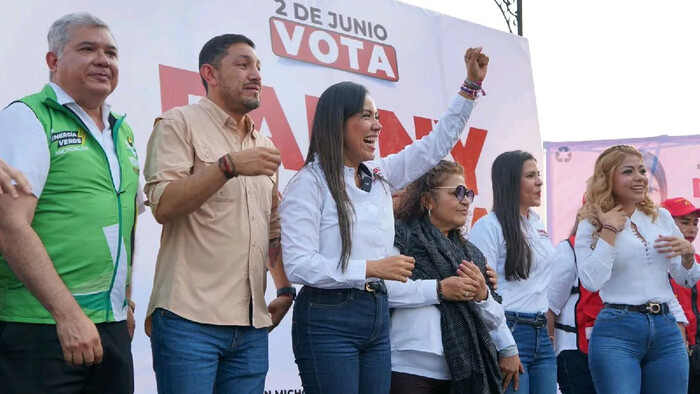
410,59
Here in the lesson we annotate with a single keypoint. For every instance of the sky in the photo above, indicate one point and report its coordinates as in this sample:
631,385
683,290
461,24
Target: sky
604,69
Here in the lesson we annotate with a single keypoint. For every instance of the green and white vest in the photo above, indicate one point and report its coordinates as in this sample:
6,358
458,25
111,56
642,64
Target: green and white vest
86,225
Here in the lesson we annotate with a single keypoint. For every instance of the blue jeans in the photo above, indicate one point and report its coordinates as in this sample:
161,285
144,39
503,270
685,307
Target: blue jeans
191,357
536,354
632,352
340,340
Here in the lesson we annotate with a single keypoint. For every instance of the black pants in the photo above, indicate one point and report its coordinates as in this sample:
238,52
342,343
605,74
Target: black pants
694,382
403,383
31,361
573,374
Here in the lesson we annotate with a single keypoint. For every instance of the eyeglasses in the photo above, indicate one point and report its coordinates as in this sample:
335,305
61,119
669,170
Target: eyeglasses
460,192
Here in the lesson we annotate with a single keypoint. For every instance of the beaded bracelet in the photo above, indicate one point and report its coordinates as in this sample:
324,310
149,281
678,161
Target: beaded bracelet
611,228
439,291
472,88
472,84
227,166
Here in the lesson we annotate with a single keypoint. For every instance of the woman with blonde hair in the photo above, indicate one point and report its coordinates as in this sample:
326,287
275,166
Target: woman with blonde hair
626,246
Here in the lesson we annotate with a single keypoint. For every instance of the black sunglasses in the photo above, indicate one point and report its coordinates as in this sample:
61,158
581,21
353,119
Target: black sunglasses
461,191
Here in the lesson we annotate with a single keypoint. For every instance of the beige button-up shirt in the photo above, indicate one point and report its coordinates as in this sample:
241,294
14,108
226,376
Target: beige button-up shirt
212,263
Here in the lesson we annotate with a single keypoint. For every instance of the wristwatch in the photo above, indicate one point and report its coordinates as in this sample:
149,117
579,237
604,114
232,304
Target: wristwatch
290,292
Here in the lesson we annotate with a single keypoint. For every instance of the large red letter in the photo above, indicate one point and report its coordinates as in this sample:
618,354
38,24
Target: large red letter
468,154
311,103
271,111
393,137
423,126
176,85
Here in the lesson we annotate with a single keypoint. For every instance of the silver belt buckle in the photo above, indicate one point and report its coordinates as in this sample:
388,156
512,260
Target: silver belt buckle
654,308
369,288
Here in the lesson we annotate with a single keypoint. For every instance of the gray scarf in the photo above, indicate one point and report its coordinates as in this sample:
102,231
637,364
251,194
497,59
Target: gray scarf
469,350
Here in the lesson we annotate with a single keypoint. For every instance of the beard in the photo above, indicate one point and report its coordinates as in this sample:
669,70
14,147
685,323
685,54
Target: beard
237,103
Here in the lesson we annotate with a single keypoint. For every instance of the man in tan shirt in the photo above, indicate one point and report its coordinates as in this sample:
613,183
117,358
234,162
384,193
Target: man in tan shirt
212,180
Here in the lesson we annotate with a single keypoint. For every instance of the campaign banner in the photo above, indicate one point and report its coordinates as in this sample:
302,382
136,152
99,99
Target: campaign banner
410,59
673,169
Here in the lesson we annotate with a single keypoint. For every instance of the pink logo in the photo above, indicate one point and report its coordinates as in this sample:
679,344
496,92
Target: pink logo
377,174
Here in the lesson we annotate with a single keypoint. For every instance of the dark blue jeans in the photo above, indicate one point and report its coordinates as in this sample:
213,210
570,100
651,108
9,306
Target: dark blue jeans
632,353
341,341
191,358
536,354
573,374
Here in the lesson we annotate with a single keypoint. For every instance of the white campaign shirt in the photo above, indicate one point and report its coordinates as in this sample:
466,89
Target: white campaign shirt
529,295
311,242
416,334
630,272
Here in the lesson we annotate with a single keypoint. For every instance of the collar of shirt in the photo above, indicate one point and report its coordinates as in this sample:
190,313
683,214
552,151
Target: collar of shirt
636,217
222,118
64,98
532,216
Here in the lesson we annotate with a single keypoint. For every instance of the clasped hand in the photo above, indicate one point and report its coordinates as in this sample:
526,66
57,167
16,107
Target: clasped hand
468,284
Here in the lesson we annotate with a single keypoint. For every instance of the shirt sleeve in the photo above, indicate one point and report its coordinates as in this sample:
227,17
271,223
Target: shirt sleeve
412,294
170,157
24,145
491,312
563,277
677,310
300,218
594,265
488,237
684,277
503,339
140,201
416,159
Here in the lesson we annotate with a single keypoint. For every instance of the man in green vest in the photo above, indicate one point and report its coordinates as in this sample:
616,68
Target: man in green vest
66,249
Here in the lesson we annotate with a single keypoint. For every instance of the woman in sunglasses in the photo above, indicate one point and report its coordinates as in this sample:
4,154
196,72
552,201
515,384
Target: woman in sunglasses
442,316
513,238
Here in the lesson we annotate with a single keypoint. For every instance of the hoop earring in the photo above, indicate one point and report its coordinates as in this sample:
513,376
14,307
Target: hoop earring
428,212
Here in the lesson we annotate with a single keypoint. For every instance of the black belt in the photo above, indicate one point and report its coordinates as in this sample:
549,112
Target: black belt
538,321
375,287
654,308
565,327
